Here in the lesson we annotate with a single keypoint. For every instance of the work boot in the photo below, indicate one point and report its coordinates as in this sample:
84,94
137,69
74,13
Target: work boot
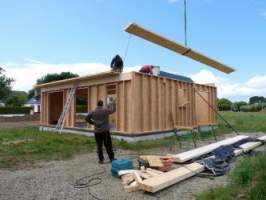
100,162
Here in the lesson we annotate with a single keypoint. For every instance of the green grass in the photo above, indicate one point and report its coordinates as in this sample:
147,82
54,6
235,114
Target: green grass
242,122
27,145
246,181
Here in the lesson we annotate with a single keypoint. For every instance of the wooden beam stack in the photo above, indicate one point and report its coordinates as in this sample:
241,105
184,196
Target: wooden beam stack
151,180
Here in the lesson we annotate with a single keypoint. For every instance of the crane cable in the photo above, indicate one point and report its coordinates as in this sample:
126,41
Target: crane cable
185,21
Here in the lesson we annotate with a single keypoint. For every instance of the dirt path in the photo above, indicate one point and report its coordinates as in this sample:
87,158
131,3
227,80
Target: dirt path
54,180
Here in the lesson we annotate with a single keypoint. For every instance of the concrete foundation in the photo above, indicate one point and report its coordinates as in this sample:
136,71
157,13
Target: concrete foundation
128,138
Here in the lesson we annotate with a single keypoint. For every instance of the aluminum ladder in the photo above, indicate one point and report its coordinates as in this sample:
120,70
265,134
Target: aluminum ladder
66,109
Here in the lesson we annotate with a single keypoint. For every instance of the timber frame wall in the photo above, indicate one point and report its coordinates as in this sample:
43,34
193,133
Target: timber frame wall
145,103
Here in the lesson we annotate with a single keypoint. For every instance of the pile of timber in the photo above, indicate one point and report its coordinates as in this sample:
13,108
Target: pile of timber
152,180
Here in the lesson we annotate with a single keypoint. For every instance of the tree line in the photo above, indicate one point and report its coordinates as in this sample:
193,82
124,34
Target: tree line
255,104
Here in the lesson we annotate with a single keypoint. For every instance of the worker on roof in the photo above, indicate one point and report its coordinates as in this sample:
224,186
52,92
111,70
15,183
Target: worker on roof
147,69
100,119
117,64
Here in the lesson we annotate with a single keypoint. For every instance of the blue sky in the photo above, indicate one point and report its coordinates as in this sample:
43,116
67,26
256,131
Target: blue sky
41,36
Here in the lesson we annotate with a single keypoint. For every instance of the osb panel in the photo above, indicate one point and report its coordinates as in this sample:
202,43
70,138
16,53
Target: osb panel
204,113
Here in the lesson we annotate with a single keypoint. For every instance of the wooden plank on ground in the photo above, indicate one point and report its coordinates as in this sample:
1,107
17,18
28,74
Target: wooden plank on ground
154,171
167,179
154,161
132,187
246,147
194,153
123,172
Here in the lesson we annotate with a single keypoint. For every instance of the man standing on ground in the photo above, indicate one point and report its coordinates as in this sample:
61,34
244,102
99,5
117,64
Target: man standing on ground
100,119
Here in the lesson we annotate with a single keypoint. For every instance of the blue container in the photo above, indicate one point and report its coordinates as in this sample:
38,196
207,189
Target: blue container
121,164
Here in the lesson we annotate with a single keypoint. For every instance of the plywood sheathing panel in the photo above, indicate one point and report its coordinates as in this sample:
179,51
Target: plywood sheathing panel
161,104
204,113
44,108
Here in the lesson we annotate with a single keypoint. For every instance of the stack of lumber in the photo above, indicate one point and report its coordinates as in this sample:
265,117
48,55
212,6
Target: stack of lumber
169,178
151,180
195,153
163,163
132,179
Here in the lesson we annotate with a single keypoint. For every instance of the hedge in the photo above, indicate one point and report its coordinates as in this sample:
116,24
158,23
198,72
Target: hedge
15,110
252,108
82,109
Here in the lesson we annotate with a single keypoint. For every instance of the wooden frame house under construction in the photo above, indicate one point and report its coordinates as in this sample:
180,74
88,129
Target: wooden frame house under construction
146,104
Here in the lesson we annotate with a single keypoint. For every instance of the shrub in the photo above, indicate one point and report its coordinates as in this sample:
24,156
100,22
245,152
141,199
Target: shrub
15,110
224,104
246,181
251,108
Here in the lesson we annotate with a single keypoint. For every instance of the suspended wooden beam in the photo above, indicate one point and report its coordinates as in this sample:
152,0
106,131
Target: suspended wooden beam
139,31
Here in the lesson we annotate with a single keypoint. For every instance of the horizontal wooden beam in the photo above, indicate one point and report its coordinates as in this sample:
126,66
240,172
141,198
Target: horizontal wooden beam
92,77
195,153
167,179
139,31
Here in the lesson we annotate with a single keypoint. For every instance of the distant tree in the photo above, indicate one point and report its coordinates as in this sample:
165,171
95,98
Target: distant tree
257,99
224,104
56,77
236,105
31,93
16,100
5,85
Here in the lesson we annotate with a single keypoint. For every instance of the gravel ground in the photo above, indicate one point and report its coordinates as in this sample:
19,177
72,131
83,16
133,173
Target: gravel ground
54,180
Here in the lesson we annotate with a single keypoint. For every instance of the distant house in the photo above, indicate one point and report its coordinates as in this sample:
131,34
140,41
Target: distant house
2,104
35,103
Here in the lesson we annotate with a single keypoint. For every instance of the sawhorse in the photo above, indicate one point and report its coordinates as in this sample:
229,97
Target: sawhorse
187,129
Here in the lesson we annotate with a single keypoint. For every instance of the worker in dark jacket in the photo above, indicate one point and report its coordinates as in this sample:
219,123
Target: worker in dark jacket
117,64
147,69
100,119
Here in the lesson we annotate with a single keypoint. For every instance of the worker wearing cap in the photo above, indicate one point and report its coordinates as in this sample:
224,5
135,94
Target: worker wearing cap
100,119
147,69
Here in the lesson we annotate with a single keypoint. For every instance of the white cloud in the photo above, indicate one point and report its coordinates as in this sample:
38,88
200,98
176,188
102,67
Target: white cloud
26,73
233,90
257,81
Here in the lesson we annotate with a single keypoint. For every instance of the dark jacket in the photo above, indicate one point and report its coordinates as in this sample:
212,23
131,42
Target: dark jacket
100,118
117,63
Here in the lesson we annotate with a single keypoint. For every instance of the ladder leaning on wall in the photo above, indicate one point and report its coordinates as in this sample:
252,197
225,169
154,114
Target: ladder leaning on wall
66,109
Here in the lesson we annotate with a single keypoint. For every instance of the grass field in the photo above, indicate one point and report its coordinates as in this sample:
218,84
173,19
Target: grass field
23,146
243,122
247,181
